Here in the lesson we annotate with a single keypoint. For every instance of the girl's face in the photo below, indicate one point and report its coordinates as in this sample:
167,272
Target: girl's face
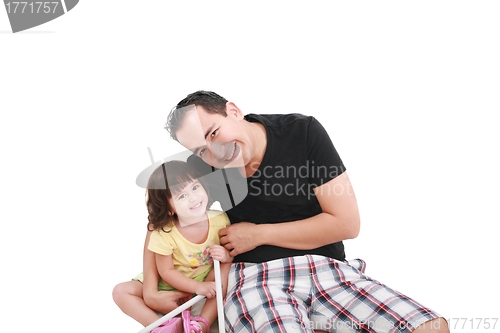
190,204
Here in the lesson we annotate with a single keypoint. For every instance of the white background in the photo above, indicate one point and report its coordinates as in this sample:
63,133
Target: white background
409,93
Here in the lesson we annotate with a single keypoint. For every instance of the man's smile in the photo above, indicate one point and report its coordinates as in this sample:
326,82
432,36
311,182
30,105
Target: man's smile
232,154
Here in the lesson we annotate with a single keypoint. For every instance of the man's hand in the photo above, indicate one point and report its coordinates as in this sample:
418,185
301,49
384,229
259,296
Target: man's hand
338,221
220,253
206,289
240,237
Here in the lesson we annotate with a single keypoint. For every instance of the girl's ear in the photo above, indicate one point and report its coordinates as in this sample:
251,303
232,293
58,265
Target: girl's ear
234,111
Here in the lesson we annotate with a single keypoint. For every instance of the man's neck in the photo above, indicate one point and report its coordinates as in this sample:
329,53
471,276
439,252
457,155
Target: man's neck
259,135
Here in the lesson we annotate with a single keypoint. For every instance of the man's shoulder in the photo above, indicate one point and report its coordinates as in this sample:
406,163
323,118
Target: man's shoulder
278,120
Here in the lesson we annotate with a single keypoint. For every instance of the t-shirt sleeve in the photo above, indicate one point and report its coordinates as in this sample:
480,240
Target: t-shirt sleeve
227,222
324,161
162,243
219,221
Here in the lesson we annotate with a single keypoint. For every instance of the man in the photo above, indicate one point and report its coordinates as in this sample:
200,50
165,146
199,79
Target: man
289,272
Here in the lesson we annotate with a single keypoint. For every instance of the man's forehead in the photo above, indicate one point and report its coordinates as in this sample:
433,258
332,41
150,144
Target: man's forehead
192,132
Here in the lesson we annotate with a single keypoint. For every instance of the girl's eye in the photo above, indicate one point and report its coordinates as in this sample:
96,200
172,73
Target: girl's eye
195,187
181,196
202,151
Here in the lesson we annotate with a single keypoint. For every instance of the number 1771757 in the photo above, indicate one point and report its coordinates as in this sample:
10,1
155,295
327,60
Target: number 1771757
32,7
472,323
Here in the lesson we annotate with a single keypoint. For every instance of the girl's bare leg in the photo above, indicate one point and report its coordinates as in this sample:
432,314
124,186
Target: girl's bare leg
129,298
209,311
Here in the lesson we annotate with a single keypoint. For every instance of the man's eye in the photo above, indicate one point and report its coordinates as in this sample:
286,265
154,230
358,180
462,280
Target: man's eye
214,133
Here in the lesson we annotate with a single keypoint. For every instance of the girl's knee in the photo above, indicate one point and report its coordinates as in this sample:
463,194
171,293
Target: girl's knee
126,289
118,292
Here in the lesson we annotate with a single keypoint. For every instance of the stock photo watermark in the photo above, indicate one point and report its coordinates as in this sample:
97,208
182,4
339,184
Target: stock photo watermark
453,323
266,181
25,15
308,180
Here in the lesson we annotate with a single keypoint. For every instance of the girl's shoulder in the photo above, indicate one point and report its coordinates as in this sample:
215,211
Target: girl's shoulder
165,233
218,217
163,242
214,213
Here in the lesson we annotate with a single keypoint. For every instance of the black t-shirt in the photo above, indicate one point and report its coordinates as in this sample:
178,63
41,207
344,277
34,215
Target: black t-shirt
299,157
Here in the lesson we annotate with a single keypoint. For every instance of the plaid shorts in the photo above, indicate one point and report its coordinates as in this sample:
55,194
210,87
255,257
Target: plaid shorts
316,294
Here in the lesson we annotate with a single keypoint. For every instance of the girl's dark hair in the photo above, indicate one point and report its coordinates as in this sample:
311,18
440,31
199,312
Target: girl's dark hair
167,180
212,103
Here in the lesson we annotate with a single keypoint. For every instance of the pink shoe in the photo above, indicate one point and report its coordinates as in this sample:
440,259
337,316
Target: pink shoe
174,325
191,323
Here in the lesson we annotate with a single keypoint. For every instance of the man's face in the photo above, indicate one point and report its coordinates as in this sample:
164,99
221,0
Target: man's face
222,142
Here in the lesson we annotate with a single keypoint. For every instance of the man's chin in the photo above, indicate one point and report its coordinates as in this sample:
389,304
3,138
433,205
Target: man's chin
237,163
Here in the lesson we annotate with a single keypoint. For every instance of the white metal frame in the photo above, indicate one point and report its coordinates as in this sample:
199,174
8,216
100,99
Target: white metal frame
196,299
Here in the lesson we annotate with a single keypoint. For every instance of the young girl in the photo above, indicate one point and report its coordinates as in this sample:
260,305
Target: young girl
184,238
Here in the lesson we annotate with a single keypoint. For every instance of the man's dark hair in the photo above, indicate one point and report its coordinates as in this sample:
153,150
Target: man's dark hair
209,100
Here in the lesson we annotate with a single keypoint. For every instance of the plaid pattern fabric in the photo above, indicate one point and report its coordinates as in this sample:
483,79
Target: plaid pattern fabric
316,294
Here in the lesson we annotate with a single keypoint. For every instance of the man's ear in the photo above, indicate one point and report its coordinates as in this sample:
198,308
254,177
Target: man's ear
233,110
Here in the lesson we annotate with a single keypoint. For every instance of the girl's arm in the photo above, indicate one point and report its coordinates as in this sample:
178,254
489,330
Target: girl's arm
161,301
151,277
177,280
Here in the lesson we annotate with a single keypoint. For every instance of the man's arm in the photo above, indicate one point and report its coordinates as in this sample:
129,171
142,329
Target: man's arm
338,221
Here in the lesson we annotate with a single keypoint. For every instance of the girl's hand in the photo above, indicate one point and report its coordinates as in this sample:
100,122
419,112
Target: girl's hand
165,301
206,289
220,253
